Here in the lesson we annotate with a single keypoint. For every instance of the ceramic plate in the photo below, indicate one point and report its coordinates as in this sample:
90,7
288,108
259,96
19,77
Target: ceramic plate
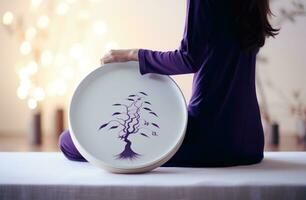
126,122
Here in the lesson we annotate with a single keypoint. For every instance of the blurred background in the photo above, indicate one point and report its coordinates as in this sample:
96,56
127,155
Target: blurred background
47,46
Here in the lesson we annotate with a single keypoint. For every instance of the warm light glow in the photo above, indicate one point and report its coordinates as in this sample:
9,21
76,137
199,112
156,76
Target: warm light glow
25,47
71,1
53,58
32,67
32,103
36,3
23,74
46,57
26,83
57,88
43,21
38,94
22,92
7,18
83,63
30,33
84,14
62,8
59,60
68,72
24,88
76,51
111,45
61,87
99,28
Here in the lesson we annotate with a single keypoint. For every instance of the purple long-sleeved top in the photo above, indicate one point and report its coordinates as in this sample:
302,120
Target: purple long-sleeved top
224,126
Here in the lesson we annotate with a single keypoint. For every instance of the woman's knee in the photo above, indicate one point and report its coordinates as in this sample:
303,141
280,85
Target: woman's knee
66,145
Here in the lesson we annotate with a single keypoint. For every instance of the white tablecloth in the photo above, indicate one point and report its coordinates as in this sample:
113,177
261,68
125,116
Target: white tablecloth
51,176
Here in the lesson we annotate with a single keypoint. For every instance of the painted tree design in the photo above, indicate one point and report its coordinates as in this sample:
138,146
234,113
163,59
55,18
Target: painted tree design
130,120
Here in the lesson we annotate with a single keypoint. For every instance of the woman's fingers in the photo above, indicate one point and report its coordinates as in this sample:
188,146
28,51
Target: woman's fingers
107,58
114,56
102,61
120,55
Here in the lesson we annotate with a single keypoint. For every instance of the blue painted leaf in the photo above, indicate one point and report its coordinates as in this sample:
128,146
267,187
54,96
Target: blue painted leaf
147,108
116,113
143,134
155,125
143,93
117,104
132,95
147,102
103,125
113,127
130,99
153,113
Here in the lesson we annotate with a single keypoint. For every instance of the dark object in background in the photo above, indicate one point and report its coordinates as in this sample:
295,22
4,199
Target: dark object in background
275,134
59,121
35,130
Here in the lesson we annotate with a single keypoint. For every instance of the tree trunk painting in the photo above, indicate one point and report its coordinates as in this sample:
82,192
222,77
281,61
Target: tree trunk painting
130,120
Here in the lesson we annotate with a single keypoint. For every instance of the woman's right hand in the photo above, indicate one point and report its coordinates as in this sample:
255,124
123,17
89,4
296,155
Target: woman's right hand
120,55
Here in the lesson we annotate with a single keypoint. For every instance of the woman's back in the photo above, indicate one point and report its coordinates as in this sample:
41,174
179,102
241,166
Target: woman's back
227,128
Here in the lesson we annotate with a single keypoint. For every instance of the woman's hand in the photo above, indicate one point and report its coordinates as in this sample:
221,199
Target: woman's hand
120,55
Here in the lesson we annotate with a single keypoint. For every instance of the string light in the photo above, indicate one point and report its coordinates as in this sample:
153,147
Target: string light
84,14
62,8
7,18
68,60
57,88
76,51
71,1
25,48
83,63
46,57
23,74
59,59
22,92
43,22
32,67
99,28
23,89
36,3
32,103
38,94
30,33
26,83
68,72
61,87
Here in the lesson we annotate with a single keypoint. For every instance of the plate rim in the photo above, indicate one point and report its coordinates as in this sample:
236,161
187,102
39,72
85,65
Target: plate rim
144,167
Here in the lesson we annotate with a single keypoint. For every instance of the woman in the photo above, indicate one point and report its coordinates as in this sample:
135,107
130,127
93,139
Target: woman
220,43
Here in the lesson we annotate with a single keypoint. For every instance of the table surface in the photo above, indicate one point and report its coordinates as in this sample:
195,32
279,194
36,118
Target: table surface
19,142
282,172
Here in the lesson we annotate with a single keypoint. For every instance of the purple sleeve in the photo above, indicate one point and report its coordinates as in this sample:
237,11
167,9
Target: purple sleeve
167,63
189,57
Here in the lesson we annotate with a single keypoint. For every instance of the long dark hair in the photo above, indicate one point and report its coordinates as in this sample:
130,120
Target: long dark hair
252,22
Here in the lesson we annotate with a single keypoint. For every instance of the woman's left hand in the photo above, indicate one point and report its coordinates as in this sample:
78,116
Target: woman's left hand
120,55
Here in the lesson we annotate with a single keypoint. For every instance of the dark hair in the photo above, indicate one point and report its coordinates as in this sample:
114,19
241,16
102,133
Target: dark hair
252,23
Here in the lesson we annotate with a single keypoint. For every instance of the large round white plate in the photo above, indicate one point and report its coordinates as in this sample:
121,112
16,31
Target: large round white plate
126,122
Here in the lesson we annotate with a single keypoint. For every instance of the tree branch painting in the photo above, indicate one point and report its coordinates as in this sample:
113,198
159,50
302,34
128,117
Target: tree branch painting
130,120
